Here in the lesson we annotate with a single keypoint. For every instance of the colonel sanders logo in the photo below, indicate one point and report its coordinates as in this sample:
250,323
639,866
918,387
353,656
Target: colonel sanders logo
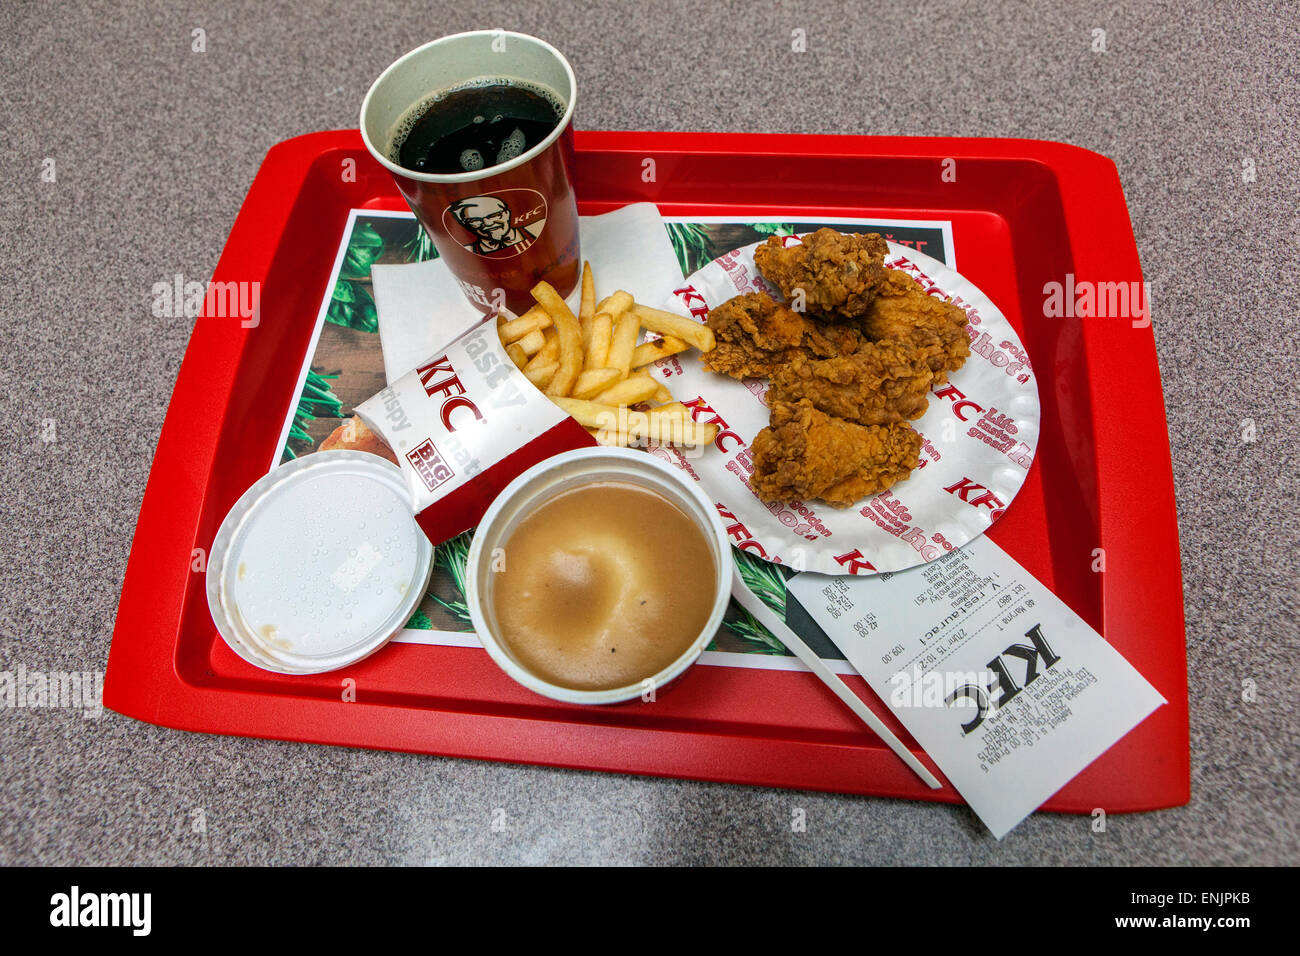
496,230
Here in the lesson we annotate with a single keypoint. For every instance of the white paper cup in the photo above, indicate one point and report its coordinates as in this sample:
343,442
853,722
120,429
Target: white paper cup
562,473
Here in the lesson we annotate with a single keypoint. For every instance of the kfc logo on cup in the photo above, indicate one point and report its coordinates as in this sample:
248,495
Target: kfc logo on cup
497,225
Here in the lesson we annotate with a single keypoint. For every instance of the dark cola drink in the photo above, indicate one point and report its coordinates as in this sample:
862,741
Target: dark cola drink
484,156
476,126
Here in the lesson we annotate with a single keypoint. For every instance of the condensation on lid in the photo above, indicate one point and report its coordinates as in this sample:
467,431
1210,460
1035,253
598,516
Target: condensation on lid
318,564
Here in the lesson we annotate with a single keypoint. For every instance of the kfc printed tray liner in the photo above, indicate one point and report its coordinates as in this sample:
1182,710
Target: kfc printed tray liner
343,365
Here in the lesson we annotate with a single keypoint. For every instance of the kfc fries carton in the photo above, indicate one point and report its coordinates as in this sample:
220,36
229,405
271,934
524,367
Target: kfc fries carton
463,424
467,420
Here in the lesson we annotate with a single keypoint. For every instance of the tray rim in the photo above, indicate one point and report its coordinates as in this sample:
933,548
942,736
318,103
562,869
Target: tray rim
141,679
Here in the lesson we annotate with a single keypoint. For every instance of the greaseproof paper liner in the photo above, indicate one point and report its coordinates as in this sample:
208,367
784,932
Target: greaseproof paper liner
421,306
978,438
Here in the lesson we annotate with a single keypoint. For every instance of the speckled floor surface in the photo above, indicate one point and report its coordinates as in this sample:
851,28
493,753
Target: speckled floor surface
154,147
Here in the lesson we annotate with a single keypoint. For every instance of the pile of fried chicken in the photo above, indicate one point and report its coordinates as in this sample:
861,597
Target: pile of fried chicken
851,354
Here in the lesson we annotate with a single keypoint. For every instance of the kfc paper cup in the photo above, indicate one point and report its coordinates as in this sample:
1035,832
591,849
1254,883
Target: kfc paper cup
502,228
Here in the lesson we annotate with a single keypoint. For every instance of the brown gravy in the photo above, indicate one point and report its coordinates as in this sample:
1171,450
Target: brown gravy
603,586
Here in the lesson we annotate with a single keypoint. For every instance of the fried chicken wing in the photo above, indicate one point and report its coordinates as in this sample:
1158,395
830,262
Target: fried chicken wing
805,454
902,312
879,384
846,375
838,273
835,366
756,334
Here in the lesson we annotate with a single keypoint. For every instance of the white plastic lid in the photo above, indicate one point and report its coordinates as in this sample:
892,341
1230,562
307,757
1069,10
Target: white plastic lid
318,564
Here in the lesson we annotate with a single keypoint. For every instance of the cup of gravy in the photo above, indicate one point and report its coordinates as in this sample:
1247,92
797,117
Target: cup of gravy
598,576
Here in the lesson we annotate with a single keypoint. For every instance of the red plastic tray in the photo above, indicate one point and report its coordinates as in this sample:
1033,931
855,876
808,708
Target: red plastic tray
1024,213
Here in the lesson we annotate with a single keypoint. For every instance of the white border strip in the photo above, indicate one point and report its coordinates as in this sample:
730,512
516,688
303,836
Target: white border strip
943,225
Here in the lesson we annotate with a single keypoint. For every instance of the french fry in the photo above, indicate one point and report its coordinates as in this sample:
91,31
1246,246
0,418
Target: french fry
542,375
588,413
672,426
534,319
668,323
616,304
593,381
569,333
623,343
674,408
532,343
630,391
590,365
611,436
670,429
549,354
634,426
649,352
587,304
602,329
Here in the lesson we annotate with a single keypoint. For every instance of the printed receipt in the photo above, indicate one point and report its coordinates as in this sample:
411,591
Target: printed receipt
1010,691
